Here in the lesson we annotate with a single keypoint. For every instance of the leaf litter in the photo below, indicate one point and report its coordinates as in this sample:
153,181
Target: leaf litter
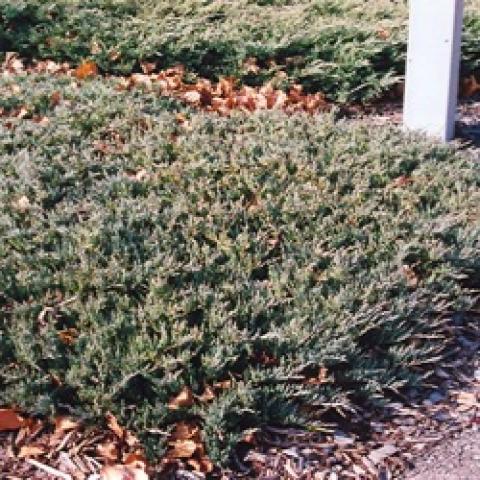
222,97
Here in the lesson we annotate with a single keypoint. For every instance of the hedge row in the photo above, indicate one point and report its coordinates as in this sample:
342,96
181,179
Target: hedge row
339,47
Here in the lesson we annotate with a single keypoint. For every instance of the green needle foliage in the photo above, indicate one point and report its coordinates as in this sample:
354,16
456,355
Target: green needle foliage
352,50
257,249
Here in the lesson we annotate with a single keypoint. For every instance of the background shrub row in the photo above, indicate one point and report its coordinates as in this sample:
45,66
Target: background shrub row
351,50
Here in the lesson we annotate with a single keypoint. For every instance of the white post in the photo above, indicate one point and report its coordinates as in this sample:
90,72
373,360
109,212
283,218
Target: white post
433,65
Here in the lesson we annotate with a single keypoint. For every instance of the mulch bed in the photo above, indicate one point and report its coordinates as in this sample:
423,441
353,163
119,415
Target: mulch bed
399,433
468,118
367,444
469,124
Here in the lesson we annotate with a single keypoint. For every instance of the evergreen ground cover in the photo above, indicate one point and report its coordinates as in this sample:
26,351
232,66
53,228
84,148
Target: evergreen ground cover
352,50
281,262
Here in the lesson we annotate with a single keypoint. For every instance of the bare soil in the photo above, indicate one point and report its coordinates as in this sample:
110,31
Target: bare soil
455,459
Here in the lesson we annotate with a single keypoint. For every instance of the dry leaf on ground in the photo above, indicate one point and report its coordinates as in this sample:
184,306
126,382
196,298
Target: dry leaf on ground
136,460
108,451
10,420
55,98
185,431
183,399
68,336
470,86
31,451
122,433
182,449
22,204
85,70
114,426
122,472
64,424
207,395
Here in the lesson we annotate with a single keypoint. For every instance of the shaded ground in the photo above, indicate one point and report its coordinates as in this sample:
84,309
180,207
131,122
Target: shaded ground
468,124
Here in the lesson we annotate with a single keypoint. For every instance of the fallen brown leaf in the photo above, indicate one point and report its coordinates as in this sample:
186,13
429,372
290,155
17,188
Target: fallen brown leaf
114,426
56,380
470,86
68,336
208,395
185,431
108,451
182,449
140,79
180,118
136,460
55,98
114,55
10,420
250,65
321,379
122,472
250,437
43,120
122,433
410,275
383,34
64,424
402,181
33,426
85,70
31,451
225,87
12,63
148,67
183,399
224,385
22,113
102,147
206,465
131,440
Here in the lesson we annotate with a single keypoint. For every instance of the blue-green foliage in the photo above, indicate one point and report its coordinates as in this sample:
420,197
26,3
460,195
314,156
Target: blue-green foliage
340,47
187,254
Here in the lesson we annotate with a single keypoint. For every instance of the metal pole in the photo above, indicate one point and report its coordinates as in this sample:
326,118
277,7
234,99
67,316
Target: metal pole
433,66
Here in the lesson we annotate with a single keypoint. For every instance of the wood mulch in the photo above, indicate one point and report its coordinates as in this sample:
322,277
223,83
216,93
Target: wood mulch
468,119
469,124
398,435
368,444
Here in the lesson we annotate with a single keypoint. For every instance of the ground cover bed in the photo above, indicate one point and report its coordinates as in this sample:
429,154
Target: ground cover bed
169,266
351,50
